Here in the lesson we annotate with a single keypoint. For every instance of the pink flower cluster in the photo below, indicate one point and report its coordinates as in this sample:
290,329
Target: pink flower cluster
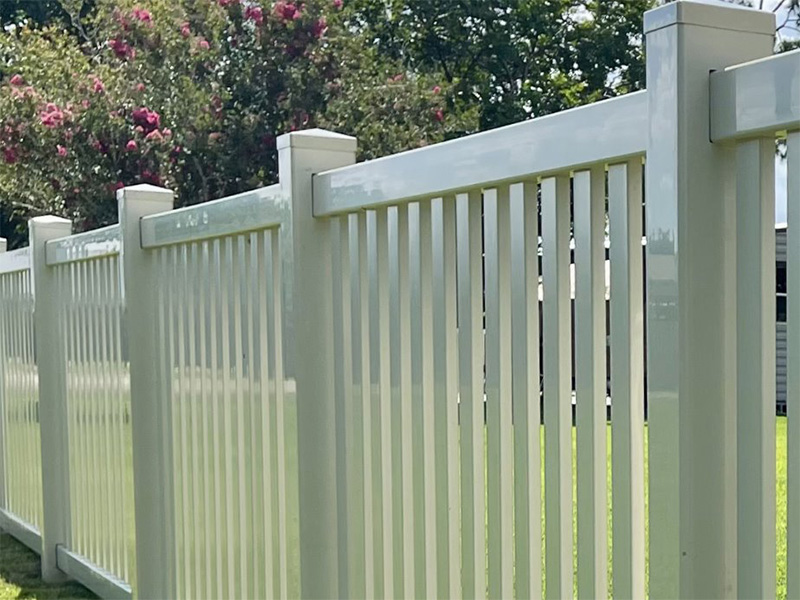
287,11
148,120
52,116
61,150
10,155
98,87
337,4
319,27
121,48
255,14
17,80
185,31
145,16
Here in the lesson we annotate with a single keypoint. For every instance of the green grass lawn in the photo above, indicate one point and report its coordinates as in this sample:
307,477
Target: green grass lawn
19,567
20,575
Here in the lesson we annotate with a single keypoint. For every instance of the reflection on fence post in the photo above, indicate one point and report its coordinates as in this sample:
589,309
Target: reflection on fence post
691,280
3,248
154,533
309,305
50,359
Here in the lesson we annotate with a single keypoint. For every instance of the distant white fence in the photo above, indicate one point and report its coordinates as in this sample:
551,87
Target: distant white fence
282,393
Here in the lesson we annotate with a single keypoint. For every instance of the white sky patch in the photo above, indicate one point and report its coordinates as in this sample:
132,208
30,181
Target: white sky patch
781,193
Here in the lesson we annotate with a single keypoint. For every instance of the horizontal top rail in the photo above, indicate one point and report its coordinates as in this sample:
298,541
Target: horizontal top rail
758,97
251,211
609,130
15,260
97,243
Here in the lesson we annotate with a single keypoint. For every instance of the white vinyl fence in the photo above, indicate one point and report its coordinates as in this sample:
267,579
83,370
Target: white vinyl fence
343,385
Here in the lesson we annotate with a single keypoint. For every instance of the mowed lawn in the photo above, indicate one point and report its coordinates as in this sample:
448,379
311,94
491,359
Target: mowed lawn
19,567
20,575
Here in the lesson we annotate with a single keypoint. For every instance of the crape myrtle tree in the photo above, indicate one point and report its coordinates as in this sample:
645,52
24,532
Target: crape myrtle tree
190,94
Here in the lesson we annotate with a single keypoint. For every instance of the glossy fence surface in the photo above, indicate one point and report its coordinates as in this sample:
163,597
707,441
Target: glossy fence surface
793,369
98,409
479,328
19,403
232,420
440,467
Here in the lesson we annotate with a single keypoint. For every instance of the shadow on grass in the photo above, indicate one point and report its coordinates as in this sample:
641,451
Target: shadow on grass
20,575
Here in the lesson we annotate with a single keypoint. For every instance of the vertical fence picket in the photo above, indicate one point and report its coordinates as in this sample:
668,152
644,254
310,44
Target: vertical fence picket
406,419
627,378
793,368
755,299
397,407
384,396
339,247
498,390
557,397
590,381
366,403
428,400
469,240
356,484
525,390
445,333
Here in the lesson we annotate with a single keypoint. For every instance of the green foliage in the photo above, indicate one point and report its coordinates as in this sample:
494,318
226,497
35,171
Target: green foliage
513,59
190,94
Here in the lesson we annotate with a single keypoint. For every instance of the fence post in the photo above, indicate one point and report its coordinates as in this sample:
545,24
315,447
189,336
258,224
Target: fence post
691,290
52,369
3,248
150,440
309,314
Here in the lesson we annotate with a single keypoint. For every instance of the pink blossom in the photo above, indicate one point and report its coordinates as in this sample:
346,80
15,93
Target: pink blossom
148,119
337,4
121,48
398,77
151,177
52,116
154,136
439,115
177,150
61,150
203,44
131,146
214,137
85,103
319,27
139,87
167,132
97,86
255,14
118,186
16,80
143,15
139,129
286,11
10,155
436,89
185,31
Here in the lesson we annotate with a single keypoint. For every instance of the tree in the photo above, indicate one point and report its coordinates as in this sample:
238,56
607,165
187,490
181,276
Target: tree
190,95
513,59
